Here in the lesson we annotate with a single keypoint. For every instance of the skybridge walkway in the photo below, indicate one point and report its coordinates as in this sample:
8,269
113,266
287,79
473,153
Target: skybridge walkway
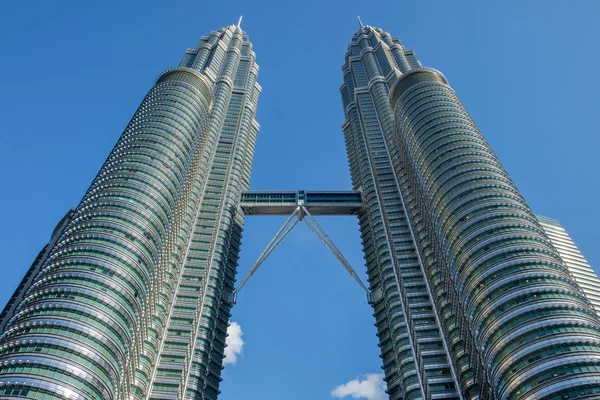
258,202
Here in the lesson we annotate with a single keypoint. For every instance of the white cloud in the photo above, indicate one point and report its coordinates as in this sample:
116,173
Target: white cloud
370,387
234,342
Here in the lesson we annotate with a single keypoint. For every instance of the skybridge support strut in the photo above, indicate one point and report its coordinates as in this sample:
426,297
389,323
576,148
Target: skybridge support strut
320,233
281,233
298,215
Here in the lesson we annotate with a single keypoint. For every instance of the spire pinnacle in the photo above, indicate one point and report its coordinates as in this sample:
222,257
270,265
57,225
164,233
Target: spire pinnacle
360,22
240,21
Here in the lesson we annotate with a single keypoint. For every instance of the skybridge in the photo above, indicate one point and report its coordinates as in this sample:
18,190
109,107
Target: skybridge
301,206
256,202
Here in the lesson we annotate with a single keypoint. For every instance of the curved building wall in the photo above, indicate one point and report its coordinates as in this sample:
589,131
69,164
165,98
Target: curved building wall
526,327
75,327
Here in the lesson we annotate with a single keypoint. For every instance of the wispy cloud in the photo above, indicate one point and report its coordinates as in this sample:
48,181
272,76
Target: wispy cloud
370,387
234,342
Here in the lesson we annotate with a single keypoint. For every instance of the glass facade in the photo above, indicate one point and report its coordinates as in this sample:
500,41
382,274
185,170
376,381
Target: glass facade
472,299
129,300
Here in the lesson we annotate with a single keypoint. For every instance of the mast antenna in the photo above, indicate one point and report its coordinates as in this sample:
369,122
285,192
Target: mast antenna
360,22
240,21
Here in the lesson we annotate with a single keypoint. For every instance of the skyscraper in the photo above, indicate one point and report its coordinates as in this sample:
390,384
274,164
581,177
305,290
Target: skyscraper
127,300
584,275
471,298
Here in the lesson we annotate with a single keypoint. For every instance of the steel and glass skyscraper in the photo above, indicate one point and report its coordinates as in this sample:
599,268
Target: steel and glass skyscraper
128,301
471,299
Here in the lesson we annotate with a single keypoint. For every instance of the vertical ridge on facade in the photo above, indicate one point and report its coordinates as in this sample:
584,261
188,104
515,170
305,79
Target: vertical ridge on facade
412,346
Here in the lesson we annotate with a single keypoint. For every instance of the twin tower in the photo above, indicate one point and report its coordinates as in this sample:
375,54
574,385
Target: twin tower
132,296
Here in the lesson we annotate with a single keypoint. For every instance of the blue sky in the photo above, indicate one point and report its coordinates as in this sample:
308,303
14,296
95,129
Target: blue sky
73,73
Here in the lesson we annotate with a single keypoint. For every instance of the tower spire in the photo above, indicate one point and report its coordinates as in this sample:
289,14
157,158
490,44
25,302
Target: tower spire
240,21
360,22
